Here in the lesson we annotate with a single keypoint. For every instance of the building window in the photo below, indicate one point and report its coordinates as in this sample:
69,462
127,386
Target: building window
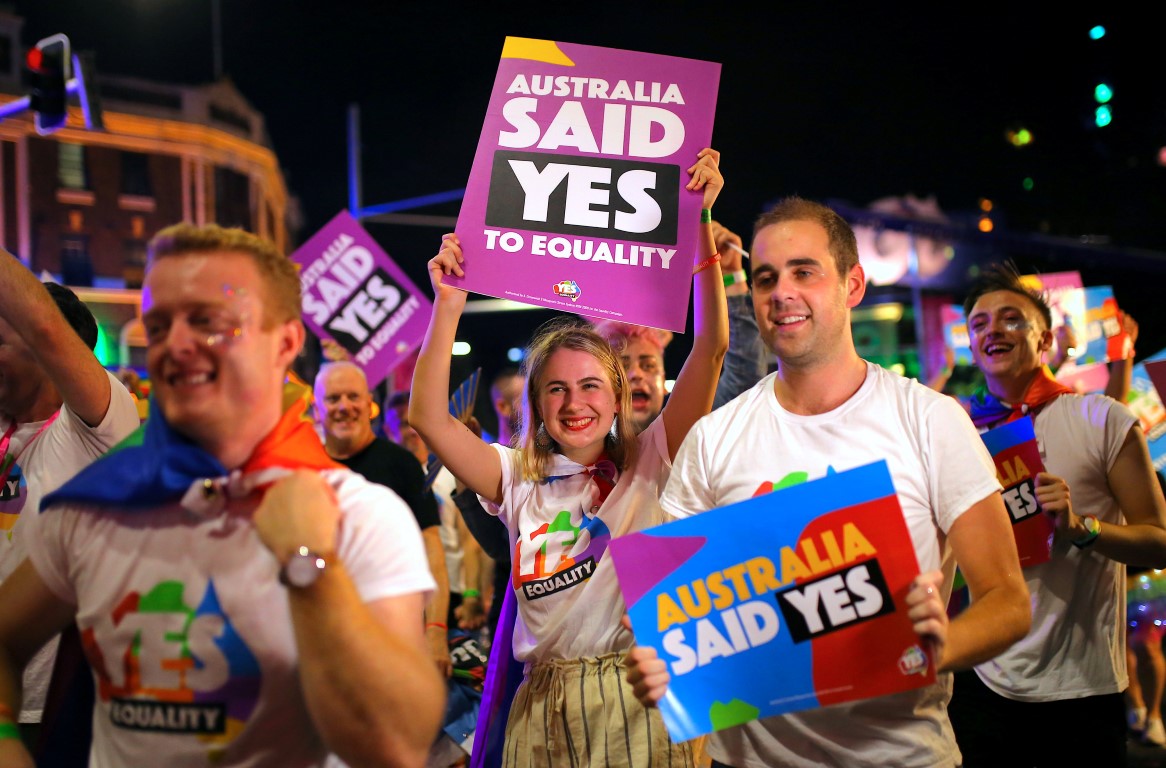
232,199
135,174
76,266
5,54
71,172
134,267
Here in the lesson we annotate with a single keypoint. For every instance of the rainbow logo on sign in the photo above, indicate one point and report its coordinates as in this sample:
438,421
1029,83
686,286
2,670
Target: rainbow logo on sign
568,289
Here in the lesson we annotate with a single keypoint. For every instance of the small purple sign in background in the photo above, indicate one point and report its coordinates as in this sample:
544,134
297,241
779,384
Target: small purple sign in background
354,294
576,198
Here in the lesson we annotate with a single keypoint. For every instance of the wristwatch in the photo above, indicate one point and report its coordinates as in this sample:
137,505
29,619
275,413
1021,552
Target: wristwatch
302,569
1092,530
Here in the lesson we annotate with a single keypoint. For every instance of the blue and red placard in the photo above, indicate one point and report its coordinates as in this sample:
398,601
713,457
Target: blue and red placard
791,600
1017,456
1145,400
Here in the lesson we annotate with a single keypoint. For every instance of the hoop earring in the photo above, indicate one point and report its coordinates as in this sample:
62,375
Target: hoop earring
542,440
613,433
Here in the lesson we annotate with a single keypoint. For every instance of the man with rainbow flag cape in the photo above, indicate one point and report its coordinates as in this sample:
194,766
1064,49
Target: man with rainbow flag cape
242,599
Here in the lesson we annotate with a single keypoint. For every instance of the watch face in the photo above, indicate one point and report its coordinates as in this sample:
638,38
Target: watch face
303,569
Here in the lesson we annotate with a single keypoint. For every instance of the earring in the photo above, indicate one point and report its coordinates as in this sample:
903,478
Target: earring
542,439
613,433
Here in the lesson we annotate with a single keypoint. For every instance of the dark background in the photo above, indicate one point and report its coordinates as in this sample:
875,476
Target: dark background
827,100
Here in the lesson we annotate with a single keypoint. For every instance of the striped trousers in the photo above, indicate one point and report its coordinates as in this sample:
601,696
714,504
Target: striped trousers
581,713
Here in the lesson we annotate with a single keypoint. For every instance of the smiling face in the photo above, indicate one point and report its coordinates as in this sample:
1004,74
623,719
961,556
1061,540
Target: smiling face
577,402
1008,338
344,406
801,302
644,364
216,371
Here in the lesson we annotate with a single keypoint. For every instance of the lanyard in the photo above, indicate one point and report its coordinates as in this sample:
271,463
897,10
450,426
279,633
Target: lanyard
6,461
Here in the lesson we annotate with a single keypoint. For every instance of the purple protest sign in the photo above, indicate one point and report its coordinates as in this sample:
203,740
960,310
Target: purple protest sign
576,198
355,295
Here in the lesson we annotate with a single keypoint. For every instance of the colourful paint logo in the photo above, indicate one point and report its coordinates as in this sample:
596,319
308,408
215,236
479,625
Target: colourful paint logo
558,555
913,661
12,495
567,289
164,666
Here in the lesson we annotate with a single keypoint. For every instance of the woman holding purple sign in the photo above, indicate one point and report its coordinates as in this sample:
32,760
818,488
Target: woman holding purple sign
580,476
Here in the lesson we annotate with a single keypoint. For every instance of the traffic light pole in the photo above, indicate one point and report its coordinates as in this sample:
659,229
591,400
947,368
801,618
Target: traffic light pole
75,86
15,107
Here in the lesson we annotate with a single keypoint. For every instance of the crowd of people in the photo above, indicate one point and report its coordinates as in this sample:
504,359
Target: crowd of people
253,576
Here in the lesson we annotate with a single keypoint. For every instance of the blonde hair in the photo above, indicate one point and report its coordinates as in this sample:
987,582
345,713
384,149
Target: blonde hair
569,333
280,275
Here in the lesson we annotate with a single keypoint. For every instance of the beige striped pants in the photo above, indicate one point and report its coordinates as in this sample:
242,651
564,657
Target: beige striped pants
581,713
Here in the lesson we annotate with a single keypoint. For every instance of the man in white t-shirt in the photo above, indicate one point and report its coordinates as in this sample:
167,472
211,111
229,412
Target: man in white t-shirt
242,599
824,410
1099,483
59,410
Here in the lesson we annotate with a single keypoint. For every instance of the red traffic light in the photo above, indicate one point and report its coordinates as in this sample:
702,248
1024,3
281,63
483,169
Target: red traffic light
50,67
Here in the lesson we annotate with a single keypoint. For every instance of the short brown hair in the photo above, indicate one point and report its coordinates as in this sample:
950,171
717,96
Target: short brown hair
570,333
1006,277
842,243
279,273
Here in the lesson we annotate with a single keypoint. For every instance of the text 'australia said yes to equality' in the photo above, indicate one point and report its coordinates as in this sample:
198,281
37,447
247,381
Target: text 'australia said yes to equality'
829,582
619,196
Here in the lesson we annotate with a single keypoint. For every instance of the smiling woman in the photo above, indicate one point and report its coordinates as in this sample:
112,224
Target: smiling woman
580,476
578,400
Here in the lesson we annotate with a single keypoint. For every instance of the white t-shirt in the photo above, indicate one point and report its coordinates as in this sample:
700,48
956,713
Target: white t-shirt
1076,646
63,449
189,631
940,469
444,486
569,603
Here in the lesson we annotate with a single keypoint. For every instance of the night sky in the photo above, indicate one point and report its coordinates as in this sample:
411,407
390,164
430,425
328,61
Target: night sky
823,100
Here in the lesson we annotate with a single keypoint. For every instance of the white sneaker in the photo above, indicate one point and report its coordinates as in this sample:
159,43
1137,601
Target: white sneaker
1155,734
1137,719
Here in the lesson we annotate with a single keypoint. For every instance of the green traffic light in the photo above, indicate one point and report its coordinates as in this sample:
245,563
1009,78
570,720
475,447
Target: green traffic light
1097,32
1103,116
1102,93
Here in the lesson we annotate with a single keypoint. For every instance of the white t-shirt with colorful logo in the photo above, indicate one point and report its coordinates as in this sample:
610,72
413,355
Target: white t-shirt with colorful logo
569,603
940,468
188,629
45,460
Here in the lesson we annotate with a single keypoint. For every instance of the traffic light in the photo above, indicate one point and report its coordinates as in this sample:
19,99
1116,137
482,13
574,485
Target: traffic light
50,65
